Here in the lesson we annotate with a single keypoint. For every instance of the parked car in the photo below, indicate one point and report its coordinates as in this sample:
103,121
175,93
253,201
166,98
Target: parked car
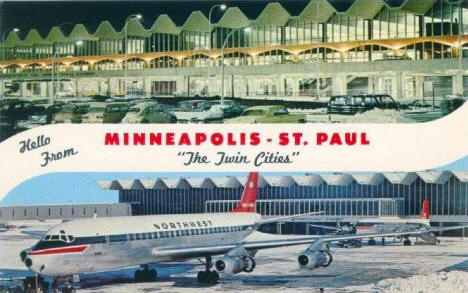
207,111
352,104
267,114
71,113
148,112
105,113
354,243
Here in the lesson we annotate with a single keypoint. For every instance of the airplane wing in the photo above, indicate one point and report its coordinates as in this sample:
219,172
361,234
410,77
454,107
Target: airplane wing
436,229
283,218
200,251
35,234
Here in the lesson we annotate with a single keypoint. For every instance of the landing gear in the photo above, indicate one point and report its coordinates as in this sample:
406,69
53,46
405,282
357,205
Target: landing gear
146,275
207,276
371,242
407,242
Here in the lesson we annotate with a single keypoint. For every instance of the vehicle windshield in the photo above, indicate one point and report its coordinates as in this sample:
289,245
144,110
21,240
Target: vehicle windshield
96,109
338,100
281,111
254,113
68,108
116,108
134,110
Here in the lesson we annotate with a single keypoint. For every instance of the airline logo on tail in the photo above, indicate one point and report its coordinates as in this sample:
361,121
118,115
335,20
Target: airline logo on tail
249,197
425,212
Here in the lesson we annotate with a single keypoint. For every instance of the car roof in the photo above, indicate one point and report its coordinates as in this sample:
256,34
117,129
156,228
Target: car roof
268,107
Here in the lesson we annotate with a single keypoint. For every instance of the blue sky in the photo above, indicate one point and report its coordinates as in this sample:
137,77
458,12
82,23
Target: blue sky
67,188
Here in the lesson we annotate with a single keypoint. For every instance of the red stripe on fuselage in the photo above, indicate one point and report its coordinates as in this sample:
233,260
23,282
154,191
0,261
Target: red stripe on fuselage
365,227
71,249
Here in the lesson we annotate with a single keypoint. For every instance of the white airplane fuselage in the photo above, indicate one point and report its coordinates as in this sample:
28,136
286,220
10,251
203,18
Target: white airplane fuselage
390,225
99,244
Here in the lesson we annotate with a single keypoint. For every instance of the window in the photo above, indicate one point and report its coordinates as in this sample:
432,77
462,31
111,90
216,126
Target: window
281,111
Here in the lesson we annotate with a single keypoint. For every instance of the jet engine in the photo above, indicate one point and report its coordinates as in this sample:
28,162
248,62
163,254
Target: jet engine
235,264
314,259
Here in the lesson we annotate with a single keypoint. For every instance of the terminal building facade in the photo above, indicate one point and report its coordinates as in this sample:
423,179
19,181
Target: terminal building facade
362,46
62,212
343,197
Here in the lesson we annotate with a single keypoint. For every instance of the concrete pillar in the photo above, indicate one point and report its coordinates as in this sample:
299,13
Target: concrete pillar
398,86
339,84
295,87
457,84
419,90
370,85
147,86
49,89
280,86
23,88
43,92
77,87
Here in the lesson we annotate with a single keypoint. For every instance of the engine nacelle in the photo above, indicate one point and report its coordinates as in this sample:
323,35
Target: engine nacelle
314,259
234,264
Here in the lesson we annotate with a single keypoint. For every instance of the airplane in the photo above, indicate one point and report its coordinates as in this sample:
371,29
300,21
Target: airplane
392,224
102,244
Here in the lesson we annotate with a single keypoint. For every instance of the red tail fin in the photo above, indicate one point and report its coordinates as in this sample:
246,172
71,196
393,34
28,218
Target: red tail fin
425,212
249,197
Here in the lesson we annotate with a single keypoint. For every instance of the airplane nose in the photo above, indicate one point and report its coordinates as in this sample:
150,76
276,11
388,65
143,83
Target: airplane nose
23,255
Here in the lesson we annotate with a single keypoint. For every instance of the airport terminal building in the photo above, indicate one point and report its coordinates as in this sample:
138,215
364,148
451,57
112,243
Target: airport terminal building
340,196
406,48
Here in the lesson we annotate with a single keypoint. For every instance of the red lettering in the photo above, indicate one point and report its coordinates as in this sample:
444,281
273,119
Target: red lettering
350,138
335,139
139,138
155,138
217,138
364,140
170,138
321,138
283,138
230,139
125,138
184,139
112,139
200,138
255,138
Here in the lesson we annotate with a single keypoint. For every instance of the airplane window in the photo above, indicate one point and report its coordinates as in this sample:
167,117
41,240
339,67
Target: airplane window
177,233
54,237
143,236
71,238
132,237
63,238
173,234
47,238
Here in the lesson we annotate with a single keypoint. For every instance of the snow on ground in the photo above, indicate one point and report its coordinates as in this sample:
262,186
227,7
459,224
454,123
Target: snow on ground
450,282
379,116
418,268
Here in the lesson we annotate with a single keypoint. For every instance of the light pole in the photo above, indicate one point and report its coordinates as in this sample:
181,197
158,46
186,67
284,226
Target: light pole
246,30
54,56
137,16
460,48
222,7
3,49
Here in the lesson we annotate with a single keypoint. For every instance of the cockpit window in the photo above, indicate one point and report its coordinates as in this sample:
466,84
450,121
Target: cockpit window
64,238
